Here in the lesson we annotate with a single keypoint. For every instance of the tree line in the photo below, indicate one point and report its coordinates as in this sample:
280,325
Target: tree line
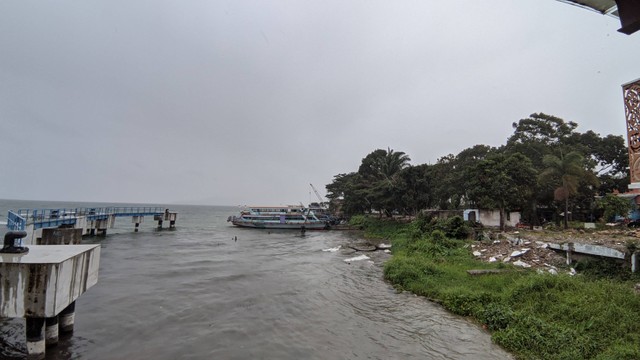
547,170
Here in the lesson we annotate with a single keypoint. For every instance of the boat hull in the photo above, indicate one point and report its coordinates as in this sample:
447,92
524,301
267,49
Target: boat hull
277,225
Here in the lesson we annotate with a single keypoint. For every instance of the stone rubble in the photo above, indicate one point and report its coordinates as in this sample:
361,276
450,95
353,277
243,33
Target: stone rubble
530,248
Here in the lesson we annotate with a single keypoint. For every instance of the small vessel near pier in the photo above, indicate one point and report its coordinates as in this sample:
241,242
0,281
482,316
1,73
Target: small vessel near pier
278,217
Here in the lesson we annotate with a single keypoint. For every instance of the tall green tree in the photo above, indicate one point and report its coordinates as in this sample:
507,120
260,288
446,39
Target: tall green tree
450,172
376,185
565,173
501,181
379,172
608,156
613,205
346,194
538,135
416,188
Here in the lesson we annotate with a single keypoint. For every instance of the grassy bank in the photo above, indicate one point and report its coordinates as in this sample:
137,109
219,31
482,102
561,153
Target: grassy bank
534,316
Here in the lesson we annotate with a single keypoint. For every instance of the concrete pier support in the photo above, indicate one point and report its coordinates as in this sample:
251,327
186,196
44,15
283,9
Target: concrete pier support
36,345
171,217
54,236
42,285
51,331
101,225
159,218
570,253
137,220
67,318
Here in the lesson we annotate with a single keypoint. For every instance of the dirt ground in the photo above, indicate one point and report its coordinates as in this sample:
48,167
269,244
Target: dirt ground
529,248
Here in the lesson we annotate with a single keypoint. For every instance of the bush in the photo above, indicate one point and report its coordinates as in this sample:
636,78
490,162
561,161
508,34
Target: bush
405,271
604,268
456,228
358,221
496,316
465,302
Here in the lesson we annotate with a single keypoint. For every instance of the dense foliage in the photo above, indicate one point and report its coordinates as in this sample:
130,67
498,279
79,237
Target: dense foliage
546,170
532,315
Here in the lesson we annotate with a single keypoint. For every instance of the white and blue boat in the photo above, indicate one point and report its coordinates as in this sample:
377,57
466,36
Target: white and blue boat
278,217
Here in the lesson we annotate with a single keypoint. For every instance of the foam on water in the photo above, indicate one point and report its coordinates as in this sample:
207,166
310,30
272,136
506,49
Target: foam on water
357,258
334,249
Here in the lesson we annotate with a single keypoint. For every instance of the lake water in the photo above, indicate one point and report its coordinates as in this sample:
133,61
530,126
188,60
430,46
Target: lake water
197,293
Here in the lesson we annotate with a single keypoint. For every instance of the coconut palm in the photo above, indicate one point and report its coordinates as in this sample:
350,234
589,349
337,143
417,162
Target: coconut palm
568,171
392,162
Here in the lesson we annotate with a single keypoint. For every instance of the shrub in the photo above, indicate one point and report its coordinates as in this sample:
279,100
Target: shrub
604,268
358,221
496,316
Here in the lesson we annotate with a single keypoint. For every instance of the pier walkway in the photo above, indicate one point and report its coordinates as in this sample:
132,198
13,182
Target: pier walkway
90,219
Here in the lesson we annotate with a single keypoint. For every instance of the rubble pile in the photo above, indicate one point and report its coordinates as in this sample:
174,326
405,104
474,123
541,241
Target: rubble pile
530,248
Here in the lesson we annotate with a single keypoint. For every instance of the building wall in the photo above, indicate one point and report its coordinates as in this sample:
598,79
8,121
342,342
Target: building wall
491,217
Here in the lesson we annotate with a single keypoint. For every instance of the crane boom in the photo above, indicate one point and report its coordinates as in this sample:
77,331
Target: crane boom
317,194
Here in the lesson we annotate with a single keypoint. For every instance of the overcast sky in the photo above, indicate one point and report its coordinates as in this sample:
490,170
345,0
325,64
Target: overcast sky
248,102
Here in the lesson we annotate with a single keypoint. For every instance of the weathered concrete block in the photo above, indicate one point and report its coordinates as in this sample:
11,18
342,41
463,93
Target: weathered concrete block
44,281
589,249
60,237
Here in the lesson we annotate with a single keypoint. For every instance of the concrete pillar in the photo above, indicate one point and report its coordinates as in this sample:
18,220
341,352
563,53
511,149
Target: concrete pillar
54,236
634,262
67,318
569,253
51,331
172,224
137,219
35,338
159,224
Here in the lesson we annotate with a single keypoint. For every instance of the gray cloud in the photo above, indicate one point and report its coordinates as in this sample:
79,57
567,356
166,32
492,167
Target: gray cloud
249,101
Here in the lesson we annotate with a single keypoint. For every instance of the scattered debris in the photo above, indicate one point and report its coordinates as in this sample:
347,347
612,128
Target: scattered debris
521,264
530,248
519,253
485,271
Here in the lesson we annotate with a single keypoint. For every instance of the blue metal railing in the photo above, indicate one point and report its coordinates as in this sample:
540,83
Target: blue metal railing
15,221
41,218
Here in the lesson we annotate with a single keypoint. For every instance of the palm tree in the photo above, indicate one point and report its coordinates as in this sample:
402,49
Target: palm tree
381,169
567,170
392,162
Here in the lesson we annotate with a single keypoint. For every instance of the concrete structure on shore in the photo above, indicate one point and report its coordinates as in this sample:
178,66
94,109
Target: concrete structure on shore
41,283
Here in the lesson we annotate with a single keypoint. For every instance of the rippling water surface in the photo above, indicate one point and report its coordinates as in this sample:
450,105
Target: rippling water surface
197,293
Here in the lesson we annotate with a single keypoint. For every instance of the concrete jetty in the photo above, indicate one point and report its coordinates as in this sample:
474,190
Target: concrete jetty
91,220
41,283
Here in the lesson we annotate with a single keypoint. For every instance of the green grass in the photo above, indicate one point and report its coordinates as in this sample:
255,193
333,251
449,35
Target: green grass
534,316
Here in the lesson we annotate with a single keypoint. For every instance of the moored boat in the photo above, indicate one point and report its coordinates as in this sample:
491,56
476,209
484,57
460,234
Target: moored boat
278,217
